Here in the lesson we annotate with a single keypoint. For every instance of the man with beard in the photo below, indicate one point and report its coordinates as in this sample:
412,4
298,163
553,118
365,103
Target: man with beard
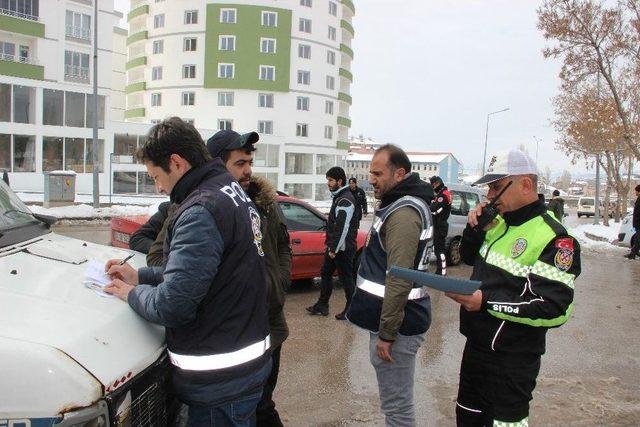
236,151
395,311
340,242
208,299
440,209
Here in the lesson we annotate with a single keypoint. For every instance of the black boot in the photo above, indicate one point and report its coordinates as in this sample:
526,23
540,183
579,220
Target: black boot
318,308
630,256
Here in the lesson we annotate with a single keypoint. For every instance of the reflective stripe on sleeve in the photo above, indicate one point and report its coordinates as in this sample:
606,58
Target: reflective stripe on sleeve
551,272
222,360
378,289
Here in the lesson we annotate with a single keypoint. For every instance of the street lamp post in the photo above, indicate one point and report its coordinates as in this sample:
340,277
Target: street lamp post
486,136
537,146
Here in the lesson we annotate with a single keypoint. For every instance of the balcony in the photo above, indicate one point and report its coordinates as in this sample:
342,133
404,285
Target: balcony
346,74
346,50
20,23
11,65
140,35
347,26
80,33
136,62
138,11
76,73
134,112
342,145
344,121
135,87
345,97
349,5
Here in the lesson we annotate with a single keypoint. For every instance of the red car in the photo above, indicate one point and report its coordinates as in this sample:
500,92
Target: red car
306,227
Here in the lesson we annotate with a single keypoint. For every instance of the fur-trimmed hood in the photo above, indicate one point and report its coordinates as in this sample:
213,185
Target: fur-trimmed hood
262,192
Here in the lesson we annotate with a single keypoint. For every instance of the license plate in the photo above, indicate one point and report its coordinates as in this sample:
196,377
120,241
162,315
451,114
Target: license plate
121,237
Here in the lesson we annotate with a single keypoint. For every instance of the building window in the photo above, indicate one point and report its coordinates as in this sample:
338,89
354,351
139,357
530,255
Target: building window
190,44
225,99
74,107
267,72
332,33
333,9
52,107
304,51
302,103
158,21
331,57
265,127
190,121
77,25
24,153
331,82
328,107
328,132
226,71
228,16
156,73
25,9
156,99
76,65
266,155
225,124
188,71
267,45
302,129
190,16
227,43
24,105
298,163
269,19
304,77
89,112
265,100
305,25
306,3
188,98
52,149
158,46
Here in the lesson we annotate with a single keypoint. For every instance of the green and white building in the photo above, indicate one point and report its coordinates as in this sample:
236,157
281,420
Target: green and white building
280,67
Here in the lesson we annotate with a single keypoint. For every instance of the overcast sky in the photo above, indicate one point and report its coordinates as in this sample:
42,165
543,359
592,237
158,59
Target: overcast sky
427,73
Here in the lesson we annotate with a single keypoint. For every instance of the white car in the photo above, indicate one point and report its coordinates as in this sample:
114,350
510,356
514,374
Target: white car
465,198
70,357
626,232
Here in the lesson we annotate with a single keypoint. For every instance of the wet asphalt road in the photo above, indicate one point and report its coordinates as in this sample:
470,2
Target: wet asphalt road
589,376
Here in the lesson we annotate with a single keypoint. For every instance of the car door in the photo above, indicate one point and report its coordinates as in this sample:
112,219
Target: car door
307,234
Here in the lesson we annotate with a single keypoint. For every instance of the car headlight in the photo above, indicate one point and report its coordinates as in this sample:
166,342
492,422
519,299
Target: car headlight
96,415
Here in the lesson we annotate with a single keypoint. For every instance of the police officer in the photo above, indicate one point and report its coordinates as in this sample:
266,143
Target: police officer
527,263
395,312
441,209
360,197
211,294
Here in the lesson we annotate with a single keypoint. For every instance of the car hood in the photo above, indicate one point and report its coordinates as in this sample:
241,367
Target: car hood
43,301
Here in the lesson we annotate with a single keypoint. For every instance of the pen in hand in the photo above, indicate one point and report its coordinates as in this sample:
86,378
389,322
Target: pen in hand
126,259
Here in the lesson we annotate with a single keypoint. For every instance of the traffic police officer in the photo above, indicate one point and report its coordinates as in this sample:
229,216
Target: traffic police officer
440,209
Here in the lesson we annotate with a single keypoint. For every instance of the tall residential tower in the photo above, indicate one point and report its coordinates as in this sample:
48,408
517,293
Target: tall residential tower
280,67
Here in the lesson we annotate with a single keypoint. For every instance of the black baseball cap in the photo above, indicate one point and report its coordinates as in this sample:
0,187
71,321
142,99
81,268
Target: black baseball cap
228,140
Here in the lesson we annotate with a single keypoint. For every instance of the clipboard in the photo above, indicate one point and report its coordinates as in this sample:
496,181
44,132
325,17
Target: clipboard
435,281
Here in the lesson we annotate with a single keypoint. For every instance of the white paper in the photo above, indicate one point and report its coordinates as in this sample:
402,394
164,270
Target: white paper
96,278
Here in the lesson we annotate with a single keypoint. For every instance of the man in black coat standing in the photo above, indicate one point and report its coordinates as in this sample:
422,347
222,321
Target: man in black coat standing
635,249
361,198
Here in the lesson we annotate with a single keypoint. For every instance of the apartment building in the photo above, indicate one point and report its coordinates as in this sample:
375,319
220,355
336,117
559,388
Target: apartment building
279,67
46,92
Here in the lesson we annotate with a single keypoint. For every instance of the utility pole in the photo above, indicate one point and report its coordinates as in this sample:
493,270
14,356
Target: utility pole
486,137
96,171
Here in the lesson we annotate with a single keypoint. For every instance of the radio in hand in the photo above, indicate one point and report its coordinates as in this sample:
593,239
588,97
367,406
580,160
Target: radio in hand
490,212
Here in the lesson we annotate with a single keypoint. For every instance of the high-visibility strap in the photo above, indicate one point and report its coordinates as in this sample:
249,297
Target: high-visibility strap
222,360
378,289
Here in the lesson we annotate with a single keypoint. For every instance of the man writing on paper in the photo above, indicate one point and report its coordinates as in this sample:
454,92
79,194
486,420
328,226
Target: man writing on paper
527,263
396,313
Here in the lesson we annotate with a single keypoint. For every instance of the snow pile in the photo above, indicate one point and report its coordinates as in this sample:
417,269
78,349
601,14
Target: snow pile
88,198
596,236
87,211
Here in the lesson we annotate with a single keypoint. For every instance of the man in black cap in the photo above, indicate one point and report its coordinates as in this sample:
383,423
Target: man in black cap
440,210
340,242
236,151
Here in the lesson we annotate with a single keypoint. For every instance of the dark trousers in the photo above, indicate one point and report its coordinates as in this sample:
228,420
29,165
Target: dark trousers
266,413
635,249
495,386
344,263
439,249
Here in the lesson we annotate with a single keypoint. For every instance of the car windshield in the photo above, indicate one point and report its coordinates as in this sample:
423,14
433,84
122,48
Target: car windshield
13,213
587,202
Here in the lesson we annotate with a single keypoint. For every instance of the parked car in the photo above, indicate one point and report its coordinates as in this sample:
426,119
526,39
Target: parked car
306,227
70,356
626,233
586,207
464,198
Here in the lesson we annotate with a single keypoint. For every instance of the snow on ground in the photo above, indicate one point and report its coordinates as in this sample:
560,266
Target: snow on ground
87,211
597,237
88,198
